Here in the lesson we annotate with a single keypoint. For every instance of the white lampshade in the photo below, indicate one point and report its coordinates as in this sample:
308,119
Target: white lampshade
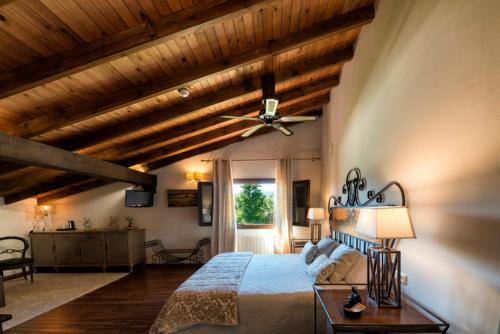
388,222
316,213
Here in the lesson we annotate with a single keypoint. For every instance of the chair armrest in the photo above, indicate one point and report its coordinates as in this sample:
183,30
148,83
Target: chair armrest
180,250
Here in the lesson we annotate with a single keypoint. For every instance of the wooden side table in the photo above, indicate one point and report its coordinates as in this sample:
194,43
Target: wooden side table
297,243
407,319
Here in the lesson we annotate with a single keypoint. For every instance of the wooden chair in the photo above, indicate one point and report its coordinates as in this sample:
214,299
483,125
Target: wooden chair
162,255
17,262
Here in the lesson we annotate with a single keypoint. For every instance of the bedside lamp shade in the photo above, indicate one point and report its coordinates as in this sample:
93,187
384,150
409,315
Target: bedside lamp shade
316,213
385,223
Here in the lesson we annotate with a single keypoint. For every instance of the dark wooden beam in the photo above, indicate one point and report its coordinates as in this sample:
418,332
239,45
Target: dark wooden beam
51,185
287,98
235,128
331,60
74,114
124,43
71,189
24,151
290,96
211,147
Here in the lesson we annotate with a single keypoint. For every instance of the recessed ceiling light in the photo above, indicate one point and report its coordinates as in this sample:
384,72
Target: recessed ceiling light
184,92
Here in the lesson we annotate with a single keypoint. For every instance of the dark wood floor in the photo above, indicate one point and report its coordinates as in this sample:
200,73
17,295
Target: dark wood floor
129,305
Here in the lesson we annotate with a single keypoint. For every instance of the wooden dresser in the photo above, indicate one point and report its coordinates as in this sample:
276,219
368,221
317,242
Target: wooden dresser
88,248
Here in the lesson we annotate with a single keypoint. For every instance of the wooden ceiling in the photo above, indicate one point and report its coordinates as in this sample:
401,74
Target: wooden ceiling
101,77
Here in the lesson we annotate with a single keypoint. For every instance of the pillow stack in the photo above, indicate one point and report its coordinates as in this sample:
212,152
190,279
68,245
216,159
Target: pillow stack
309,252
334,268
326,246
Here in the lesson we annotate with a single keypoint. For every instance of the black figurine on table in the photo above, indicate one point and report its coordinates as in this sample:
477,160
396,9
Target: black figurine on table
352,309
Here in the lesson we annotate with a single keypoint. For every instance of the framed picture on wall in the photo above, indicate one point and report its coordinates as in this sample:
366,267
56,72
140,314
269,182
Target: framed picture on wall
301,202
182,198
205,201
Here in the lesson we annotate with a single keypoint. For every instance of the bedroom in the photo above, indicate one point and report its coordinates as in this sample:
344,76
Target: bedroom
415,101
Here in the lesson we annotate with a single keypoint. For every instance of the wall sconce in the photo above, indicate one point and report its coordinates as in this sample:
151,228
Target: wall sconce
194,177
44,210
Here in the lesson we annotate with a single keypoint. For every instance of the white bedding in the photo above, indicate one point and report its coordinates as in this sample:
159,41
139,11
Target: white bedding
275,296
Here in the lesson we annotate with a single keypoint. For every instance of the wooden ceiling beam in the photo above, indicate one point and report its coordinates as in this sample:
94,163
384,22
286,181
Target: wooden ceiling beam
330,60
236,127
333,26
55,184
290,97
27,152
51,185
124,43
208,148
72,189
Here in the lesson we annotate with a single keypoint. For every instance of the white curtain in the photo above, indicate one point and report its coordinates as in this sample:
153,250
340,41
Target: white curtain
224,217
283,206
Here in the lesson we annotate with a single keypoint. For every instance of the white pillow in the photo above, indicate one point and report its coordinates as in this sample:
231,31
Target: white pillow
359,271
345,258
309,252
321,269
326,246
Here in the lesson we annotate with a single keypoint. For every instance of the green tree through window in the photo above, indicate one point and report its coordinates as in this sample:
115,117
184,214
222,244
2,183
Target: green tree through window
253,206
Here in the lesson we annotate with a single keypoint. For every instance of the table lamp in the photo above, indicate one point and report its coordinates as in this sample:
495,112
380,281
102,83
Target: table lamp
315,215
384,262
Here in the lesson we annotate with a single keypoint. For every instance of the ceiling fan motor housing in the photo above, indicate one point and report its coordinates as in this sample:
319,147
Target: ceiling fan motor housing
268,82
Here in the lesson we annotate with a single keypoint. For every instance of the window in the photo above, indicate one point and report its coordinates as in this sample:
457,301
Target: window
254,202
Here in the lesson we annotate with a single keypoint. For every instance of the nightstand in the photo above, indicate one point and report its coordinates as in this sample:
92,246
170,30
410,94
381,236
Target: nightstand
408,319
297,243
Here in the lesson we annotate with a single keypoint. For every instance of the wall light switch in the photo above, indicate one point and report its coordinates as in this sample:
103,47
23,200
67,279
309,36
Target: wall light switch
404,279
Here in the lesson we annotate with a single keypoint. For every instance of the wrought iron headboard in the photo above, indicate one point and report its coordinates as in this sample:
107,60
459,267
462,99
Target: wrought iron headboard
354,185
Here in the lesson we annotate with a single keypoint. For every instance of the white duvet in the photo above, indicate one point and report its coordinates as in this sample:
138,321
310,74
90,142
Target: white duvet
275,296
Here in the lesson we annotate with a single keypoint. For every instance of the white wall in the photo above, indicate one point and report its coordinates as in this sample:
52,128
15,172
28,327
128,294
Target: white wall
178,227
420,104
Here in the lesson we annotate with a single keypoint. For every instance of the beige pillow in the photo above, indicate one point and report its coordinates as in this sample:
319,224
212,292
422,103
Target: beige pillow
321,269
358,272
344,257
309,252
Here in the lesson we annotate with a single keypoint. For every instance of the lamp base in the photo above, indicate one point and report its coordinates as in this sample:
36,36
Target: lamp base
315,232
384,276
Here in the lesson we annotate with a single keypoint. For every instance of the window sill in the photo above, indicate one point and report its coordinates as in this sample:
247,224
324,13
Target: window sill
254,226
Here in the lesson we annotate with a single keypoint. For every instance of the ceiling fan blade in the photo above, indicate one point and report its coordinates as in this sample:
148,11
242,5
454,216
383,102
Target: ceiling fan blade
241,117
270,106
284,130
252,130
297,118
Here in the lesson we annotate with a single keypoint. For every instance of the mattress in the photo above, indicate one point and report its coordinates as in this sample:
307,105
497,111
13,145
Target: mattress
275,296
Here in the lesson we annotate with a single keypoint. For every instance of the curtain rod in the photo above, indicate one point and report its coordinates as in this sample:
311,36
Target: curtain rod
312,159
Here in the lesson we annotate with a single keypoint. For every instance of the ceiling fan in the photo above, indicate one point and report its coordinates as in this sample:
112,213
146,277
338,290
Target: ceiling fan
269,116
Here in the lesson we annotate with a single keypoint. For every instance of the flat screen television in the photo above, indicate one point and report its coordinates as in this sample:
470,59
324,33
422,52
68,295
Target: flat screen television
138,198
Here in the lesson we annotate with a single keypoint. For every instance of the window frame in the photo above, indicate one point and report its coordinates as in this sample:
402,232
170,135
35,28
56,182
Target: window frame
254,226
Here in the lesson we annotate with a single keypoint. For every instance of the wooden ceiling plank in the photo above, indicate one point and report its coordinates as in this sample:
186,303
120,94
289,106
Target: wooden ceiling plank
24,151
73,189
52,185
237,126
164,115
70,189
187,77
296,99
124,43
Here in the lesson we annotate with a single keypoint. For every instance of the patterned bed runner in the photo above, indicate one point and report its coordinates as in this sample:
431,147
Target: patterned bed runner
210,296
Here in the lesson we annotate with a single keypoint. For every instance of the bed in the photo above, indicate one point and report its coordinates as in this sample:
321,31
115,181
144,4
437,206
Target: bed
275,295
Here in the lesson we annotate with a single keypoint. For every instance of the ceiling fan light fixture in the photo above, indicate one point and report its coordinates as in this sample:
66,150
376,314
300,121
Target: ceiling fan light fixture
271,105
